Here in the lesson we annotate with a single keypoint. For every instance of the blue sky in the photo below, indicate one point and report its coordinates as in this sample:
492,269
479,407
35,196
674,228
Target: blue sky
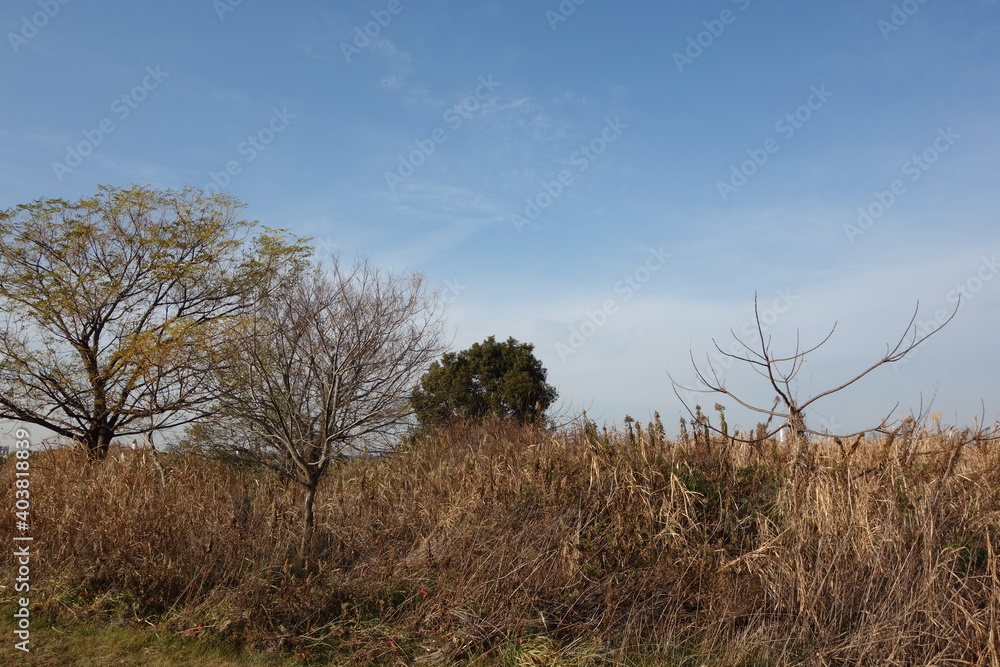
610,181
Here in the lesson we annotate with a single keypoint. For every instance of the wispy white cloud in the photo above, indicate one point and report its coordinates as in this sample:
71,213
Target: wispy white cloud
400,63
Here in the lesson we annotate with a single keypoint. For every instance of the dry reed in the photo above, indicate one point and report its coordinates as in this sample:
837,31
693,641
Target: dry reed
499,543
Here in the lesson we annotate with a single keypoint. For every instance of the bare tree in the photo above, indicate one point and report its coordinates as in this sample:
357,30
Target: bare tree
109,306
780,373
323,370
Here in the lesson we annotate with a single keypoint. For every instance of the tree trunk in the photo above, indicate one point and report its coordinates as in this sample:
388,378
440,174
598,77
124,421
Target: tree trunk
308,520
796,424
797,428
97,442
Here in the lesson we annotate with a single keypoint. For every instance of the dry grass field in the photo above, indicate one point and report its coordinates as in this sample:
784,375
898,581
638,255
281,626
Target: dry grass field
496,544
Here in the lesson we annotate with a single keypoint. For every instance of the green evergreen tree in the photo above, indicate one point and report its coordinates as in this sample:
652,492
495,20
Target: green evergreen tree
488,380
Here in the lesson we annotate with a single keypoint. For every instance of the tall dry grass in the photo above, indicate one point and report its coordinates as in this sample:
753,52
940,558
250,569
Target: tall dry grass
496,543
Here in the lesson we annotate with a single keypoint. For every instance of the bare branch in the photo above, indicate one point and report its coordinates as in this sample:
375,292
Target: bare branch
891,356
762,362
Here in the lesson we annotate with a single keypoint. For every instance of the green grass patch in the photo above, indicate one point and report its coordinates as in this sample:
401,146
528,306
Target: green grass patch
63,645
